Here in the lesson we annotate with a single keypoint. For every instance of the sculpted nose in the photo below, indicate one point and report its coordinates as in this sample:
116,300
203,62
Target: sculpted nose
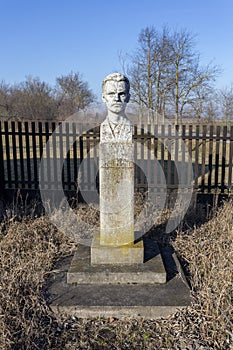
117,97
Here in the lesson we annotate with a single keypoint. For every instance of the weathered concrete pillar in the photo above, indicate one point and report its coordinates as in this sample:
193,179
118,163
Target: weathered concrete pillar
115,244
116,194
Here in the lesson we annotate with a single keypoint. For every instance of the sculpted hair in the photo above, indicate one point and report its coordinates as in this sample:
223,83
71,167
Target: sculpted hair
116,77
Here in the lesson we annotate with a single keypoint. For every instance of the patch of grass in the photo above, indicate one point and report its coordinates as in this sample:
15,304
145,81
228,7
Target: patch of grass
208,255
30,247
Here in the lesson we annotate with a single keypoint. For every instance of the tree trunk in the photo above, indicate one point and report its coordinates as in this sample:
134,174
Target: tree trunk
177,94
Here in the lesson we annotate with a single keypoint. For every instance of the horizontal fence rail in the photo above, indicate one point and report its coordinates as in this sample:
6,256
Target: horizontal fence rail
67,154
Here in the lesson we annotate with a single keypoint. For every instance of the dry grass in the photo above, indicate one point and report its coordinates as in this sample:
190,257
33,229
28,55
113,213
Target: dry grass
208,254
29,249
27,252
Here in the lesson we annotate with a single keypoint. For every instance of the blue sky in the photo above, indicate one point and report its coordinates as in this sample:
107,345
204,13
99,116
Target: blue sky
50,38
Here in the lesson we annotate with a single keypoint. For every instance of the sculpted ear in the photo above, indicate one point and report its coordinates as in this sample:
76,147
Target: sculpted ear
127,98
103,98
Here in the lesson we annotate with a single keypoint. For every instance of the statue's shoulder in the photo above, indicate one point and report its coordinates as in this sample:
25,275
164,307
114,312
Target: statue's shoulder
105,122
128,122
104,126
105,131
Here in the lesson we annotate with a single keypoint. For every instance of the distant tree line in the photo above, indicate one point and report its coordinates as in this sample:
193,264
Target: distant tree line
34,99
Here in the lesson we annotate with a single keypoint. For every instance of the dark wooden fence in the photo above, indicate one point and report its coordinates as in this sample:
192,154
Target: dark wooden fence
166,157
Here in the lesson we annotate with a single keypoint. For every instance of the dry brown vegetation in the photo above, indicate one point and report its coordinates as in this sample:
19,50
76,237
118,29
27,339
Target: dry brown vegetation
29,248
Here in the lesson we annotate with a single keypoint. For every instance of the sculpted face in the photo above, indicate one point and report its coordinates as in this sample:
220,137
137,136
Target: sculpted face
116,96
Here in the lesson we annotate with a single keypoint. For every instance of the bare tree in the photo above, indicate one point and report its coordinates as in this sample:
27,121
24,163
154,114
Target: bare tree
226,102
4,99
165,73
33,100
72,94
141,71
192,82
162,73
181,44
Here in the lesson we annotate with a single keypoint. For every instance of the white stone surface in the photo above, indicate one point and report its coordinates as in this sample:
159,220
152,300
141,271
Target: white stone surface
116,132
116,194
116,154
115,93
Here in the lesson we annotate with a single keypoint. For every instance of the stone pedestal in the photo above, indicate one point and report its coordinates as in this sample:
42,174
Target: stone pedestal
126,254
145,291
152,270
115,243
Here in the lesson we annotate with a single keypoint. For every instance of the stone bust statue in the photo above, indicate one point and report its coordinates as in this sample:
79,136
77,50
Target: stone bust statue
115,93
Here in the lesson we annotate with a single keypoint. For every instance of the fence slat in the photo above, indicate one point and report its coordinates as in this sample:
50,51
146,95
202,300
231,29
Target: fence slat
217,156
28,156
2,177
203,160
75,160
170,175
55,156
61,149
15,162
210,170
230,180
33,126
8,157
148,158
183,171
41,149
155,156
196,167
162,150
223,172
189,165
135,133
88,147
48,163
95,160
21,155
142,141
176,165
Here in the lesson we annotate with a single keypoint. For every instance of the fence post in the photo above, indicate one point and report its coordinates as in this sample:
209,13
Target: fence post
230,182
2,178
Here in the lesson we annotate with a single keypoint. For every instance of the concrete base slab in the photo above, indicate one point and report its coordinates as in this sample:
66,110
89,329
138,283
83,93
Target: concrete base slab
152,270
148,301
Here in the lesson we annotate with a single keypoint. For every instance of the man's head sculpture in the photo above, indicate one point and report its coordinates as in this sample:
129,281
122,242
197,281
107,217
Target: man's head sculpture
115,93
